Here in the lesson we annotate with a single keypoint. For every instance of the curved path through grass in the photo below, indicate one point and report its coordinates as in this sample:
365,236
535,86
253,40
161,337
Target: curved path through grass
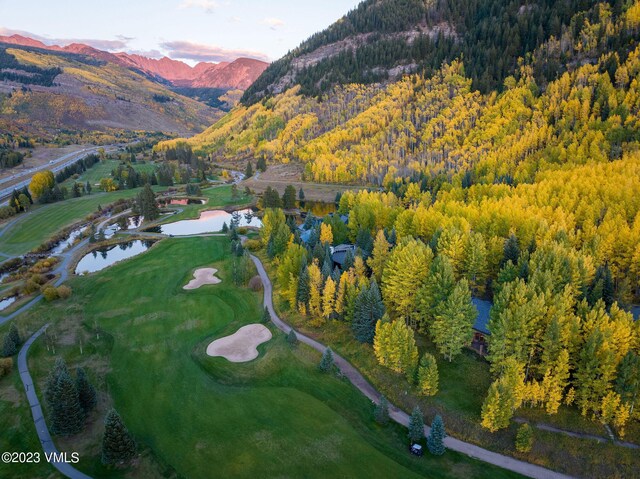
401,417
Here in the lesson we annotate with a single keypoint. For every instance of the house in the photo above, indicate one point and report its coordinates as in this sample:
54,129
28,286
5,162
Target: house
480,330
339,253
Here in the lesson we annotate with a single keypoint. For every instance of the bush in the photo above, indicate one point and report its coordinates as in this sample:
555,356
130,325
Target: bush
524,438
242,230
30,287
50,293
252,244
6,365
255,283
381,412
64,291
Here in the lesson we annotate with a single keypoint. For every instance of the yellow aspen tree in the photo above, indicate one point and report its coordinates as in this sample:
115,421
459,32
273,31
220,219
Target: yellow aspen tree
315,291
379,255
328,298
326,234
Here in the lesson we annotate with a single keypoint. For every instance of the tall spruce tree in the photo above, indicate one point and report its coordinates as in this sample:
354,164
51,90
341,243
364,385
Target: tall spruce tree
326,363
416,425
67,416
435,441
11,342
147,205
381,411
118,445
248,173
86,392
289,197
52,380
368,310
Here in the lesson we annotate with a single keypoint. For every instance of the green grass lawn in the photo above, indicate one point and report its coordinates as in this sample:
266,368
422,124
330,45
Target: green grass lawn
103,169
41,223
142,337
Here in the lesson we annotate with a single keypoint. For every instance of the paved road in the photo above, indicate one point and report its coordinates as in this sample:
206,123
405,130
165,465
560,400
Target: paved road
24,178
500,460
36,410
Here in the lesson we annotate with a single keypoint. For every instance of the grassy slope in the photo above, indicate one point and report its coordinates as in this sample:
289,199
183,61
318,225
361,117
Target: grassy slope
103,170
42,222
276,416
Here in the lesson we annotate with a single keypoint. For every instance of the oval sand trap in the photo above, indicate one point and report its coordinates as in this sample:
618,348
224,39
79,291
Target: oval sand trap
201,277
241,346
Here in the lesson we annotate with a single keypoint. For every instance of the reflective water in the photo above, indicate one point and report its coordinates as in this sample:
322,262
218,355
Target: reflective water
209,222
103,257
123,223
6,302
63,245
186,201
318,208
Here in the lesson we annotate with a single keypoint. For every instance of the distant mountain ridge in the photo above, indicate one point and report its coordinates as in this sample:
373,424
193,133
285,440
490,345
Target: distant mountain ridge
239,74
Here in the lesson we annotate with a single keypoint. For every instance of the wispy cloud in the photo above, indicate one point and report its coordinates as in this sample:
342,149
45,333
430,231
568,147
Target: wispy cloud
207,53
272,23
207,5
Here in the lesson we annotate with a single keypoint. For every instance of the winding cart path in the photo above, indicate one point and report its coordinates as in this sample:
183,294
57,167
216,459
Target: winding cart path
401,417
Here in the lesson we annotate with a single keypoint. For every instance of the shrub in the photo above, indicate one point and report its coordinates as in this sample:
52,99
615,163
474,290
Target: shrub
50,293
524,438
6,365
242,230
252,244
381,412
30,287
326,363
255,283
292,339
64,291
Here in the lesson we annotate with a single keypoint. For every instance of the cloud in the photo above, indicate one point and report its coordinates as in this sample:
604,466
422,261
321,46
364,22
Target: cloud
207,53
272,23
156,54
235,19
207,5
108,45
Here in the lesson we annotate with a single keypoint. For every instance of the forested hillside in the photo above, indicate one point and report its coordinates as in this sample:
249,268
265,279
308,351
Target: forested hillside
379,40
439,125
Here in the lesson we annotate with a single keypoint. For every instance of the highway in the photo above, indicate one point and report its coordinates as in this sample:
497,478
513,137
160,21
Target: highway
54,165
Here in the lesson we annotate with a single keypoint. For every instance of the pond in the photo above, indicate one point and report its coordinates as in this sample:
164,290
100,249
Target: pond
208,222
6,302
318,208
186,201
123,223
101,258
64,244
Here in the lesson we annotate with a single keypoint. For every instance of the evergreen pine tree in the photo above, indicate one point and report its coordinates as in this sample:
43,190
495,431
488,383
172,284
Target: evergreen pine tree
52,380
301,194
9,347
292,338
67,416
266,317
249,171
381,412
349,261
368,310
511,250
147,205
435,441
416,425
326,268
225,228
326,363
303,290
117,444
86,392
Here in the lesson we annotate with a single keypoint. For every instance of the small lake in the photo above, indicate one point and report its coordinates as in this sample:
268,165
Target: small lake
63,245
6,302
208,222
101,258
318,208
123,223
186,201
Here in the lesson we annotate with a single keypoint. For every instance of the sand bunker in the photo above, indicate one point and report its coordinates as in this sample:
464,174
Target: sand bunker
241,346
203,276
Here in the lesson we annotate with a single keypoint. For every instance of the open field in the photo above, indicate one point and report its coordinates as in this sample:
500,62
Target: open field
196,416
103,170
279,176
42,222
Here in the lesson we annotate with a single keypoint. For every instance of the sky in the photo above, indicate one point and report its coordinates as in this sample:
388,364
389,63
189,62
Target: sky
188,30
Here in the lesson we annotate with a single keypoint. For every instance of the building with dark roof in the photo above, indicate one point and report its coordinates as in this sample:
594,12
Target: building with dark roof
480,329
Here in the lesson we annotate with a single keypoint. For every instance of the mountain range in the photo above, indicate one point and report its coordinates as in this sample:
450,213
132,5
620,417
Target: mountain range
236,75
